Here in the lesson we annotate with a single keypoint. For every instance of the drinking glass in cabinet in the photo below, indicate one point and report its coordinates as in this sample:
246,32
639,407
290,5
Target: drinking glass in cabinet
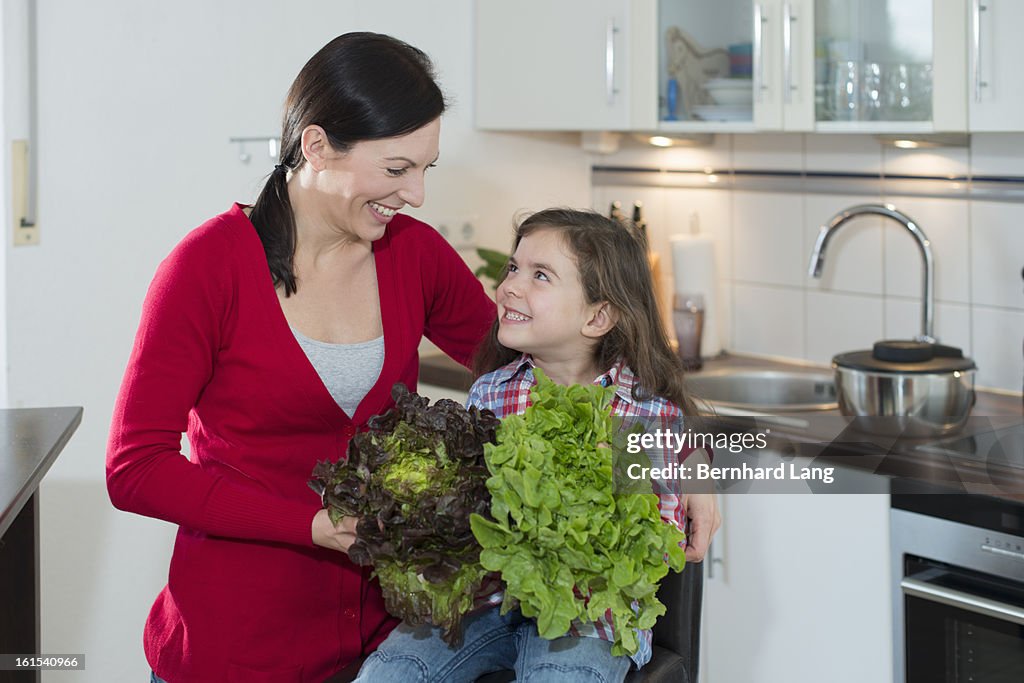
871,91
844,92
873,60
908,92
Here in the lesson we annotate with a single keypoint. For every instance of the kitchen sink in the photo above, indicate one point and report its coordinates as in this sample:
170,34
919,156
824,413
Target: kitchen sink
768,391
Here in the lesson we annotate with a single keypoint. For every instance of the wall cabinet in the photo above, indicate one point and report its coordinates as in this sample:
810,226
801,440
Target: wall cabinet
690,66
996,52
564,65
796,589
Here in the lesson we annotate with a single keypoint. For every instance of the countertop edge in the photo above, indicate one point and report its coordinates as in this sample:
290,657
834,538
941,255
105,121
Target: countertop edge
71,418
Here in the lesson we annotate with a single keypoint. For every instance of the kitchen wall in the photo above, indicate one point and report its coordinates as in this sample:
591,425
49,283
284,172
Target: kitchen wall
14,125
137,101
871,285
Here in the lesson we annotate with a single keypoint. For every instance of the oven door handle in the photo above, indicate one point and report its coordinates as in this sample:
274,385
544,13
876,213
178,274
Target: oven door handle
965,601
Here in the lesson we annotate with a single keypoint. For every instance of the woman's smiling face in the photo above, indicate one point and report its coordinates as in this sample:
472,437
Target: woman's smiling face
363,188
542,309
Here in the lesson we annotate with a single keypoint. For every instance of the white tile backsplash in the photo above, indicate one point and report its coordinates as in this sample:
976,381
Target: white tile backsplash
872,280
997,254
994,154
777,152
768,238
946,223
842,153
997,347
707,211
724,320
936,161
768,321
952,322
837,323
853,261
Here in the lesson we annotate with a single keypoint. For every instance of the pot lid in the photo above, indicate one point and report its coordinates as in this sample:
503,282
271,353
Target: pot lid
912,357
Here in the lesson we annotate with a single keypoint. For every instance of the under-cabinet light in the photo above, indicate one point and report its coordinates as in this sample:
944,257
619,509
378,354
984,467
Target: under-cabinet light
665,140
925,140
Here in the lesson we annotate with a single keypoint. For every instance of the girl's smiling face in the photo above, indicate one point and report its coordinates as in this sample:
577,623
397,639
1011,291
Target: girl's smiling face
542,309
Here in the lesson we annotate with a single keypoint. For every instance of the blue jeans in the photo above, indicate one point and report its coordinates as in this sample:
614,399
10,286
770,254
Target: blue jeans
491,642
153,678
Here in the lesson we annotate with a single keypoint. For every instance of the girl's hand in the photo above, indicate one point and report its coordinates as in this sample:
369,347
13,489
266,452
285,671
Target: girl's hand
338,537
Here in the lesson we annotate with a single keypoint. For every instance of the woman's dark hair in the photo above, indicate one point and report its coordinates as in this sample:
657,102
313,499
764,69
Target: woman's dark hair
611,258
360,86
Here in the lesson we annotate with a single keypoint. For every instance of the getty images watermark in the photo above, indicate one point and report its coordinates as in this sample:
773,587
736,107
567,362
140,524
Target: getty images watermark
819,453
666,447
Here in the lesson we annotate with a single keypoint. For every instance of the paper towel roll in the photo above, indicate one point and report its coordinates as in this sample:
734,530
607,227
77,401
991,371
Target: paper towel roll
693,271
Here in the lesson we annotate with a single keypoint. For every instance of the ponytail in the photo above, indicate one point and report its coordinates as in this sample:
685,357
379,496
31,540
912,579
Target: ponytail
275,224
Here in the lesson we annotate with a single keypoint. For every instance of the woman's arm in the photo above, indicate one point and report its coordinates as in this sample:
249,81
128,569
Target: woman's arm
459,310
186,311
689,505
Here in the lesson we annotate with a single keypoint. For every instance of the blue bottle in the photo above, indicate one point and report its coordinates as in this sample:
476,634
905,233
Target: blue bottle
672,99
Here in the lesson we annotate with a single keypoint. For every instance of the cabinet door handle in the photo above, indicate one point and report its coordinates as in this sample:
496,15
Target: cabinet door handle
609,62
759,22
712,560
787,52
976,9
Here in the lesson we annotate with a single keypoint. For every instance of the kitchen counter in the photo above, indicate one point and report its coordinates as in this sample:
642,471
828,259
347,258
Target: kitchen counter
969,462
30,441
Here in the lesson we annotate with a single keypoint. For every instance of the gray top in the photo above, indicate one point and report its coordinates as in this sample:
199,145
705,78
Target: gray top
348,371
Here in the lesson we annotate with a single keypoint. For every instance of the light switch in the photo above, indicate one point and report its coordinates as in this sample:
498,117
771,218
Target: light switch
26,231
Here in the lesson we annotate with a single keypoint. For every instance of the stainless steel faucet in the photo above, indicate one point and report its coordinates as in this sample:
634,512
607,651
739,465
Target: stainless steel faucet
889,211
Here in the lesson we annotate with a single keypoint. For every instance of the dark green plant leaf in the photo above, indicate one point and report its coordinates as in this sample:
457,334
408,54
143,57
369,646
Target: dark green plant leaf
493,267
413,480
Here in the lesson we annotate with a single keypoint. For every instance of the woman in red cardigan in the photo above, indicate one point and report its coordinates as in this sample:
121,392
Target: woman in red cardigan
269,335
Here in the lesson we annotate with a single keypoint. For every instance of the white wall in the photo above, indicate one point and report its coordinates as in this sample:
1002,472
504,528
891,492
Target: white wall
14,125
137,102
871,284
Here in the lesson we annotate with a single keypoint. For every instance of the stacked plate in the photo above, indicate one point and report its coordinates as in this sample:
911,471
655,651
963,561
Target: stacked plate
733,98
731,91
721,112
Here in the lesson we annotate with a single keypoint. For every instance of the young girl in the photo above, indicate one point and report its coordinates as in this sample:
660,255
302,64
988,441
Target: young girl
577,302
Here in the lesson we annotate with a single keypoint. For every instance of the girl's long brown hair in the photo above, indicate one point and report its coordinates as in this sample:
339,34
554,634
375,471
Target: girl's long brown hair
612,261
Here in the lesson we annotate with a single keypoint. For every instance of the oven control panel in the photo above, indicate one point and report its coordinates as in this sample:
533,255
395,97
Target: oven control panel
1004,549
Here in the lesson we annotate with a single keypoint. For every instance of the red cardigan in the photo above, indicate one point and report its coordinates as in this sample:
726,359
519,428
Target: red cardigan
249,597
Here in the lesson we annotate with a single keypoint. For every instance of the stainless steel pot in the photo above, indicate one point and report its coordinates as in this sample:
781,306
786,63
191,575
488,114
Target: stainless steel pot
906,388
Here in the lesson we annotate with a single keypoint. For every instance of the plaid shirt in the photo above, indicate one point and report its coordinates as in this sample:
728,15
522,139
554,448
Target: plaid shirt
506,391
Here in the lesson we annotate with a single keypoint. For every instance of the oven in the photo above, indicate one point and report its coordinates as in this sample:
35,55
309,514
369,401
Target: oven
958,577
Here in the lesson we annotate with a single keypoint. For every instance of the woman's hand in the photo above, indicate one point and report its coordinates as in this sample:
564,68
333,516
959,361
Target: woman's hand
328,535
701,511
703,521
